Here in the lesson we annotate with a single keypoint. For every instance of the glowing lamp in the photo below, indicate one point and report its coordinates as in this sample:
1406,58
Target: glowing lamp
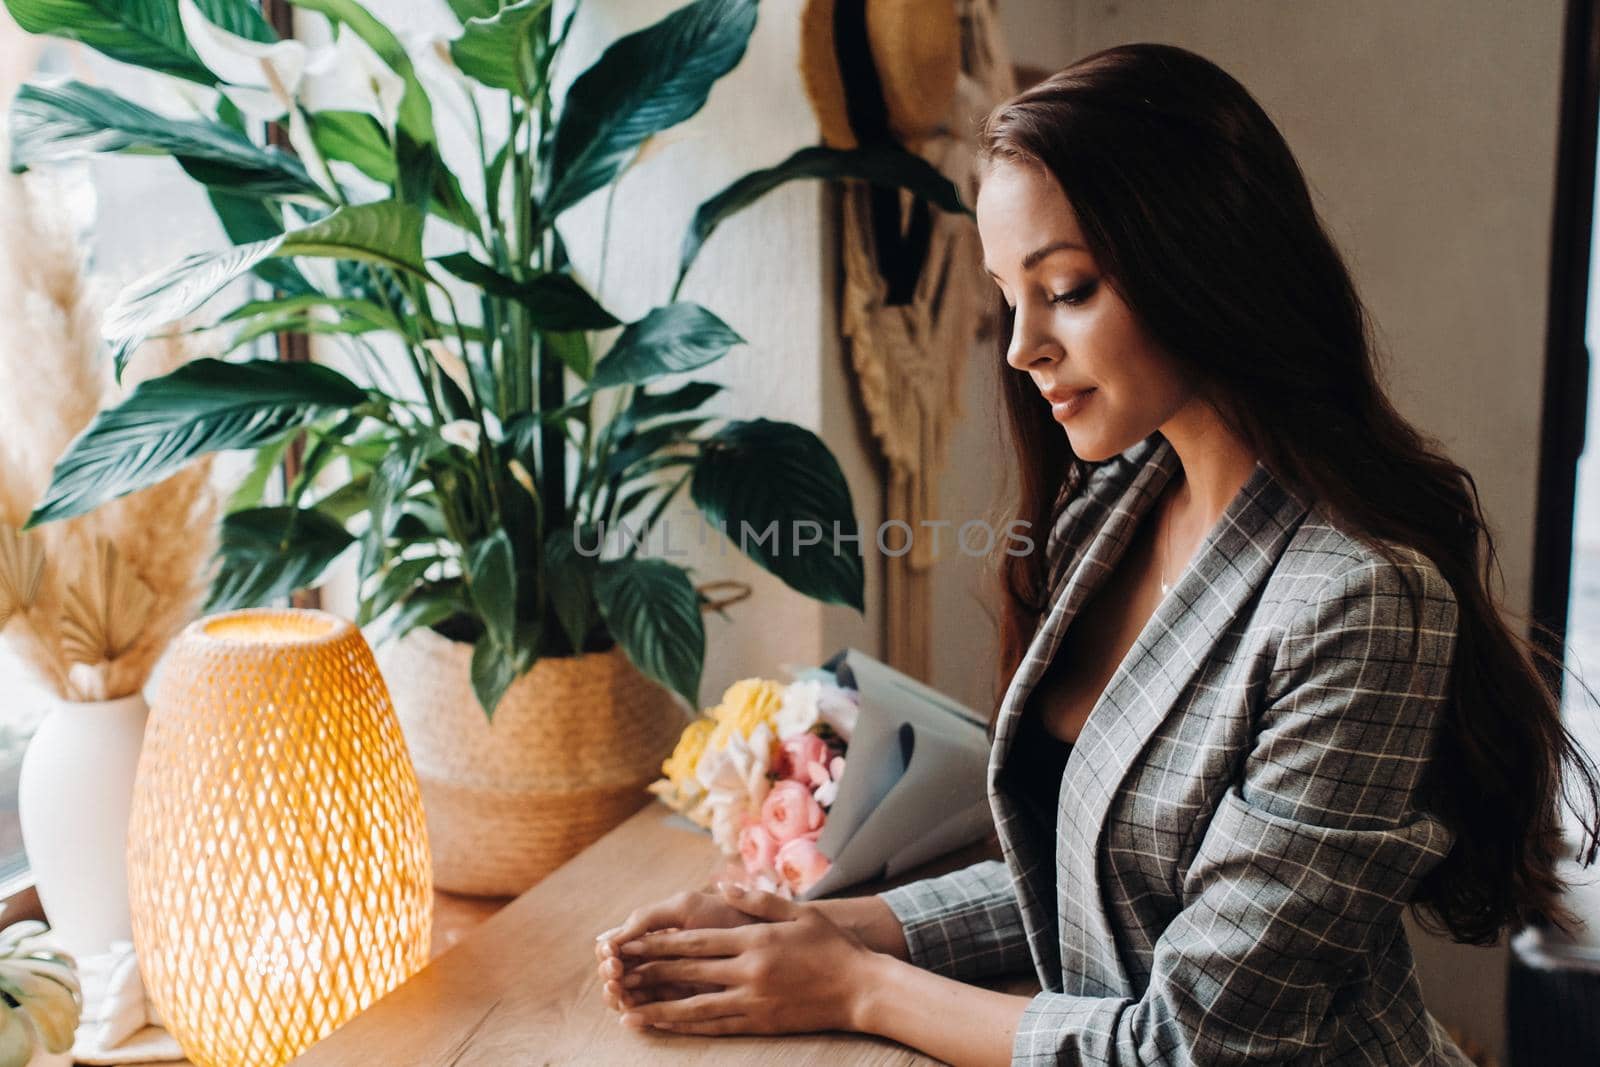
278,864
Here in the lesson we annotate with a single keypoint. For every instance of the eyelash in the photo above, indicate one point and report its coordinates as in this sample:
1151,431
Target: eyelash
1077,296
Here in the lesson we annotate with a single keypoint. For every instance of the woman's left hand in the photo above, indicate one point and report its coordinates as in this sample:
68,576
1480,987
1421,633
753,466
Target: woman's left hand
795,972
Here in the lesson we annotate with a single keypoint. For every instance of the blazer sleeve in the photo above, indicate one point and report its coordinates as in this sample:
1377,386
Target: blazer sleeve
965,925
1311,854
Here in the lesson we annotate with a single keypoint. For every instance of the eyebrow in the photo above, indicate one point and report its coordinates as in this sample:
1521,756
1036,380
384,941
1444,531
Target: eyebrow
1032,259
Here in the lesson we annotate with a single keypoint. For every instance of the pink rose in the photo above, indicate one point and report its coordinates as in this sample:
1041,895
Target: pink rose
757,848
790,811
798,755
800,863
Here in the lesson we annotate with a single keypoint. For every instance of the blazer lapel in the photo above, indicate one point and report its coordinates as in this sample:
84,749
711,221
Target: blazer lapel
1031,861
1227,571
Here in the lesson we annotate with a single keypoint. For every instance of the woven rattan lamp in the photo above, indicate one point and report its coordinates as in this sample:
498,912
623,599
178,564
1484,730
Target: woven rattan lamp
277,856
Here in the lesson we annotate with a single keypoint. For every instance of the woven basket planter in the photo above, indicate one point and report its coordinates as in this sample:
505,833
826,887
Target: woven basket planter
567,757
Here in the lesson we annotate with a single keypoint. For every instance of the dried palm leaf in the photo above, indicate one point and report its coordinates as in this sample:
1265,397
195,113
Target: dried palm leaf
105,611
21,571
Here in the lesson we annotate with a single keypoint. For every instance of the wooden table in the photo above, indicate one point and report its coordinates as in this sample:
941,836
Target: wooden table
521,987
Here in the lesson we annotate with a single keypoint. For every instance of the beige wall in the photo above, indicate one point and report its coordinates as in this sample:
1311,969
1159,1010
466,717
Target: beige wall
1427,130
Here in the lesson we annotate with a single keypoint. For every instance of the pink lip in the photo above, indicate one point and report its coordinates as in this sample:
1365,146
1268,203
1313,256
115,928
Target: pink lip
1066,404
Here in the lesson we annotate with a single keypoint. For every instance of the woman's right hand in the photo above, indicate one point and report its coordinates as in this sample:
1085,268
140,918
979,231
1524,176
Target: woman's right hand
682,911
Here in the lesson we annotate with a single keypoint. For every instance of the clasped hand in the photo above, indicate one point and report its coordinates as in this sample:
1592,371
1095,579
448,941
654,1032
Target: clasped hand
736,962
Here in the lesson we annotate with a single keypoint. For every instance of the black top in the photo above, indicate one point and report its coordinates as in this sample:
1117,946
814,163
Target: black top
1034,766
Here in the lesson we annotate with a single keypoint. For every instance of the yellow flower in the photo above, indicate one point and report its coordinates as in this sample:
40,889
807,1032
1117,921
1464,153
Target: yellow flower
680,766
746,705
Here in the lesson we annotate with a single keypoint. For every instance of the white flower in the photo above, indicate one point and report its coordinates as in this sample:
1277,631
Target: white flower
261,79
828,791
350,76
735,780
449,362
810,701
463,433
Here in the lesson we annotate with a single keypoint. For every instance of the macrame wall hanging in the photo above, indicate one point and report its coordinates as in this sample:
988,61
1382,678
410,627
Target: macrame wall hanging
920,73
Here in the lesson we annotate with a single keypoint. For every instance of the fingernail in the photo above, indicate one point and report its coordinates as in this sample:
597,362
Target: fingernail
633,948
734,889
632,1019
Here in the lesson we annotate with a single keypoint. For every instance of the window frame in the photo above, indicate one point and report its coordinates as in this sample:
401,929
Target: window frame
1566,377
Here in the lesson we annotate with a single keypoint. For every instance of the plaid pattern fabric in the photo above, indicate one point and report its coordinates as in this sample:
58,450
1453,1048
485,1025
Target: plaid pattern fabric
1238,827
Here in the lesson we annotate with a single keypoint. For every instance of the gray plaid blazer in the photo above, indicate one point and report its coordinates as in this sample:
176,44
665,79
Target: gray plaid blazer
1238,828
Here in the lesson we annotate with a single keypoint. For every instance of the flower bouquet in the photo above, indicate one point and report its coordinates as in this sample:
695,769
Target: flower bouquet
764,771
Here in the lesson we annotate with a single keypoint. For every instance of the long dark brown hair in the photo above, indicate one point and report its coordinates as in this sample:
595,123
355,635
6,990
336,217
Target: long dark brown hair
1194,208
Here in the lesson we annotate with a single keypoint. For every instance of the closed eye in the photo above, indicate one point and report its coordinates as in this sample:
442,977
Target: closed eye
1076,296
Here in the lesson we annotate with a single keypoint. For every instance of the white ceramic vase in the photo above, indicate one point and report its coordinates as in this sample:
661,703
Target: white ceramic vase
73,800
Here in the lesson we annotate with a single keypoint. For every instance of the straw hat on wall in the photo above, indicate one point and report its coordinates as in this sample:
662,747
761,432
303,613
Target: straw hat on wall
878,69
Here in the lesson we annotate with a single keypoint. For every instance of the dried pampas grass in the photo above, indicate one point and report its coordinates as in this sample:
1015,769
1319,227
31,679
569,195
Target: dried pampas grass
88,603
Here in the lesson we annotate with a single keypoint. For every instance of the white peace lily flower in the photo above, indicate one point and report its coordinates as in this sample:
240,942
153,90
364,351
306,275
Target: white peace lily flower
261,79
449,362
350,76
463,433
735,781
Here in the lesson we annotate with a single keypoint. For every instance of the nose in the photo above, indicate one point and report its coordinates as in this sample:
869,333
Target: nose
1031,342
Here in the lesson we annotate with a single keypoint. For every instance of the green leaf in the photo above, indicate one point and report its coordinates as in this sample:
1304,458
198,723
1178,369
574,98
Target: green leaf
204,406
251,492
761,472
644,83
492,582
473,9
678,337
145,33
569,581
52,123
493,670
247,219
652,610
416,112
498,50
401,581
635,447
430,604
269,553
571,347
356,138
396,473
385,232
348,500
555,301
887,166
345,306
646,405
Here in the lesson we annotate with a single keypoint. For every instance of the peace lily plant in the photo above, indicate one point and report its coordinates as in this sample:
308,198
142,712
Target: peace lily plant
477,481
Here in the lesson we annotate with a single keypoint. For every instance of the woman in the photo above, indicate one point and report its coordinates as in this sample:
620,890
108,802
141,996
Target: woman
1259,698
